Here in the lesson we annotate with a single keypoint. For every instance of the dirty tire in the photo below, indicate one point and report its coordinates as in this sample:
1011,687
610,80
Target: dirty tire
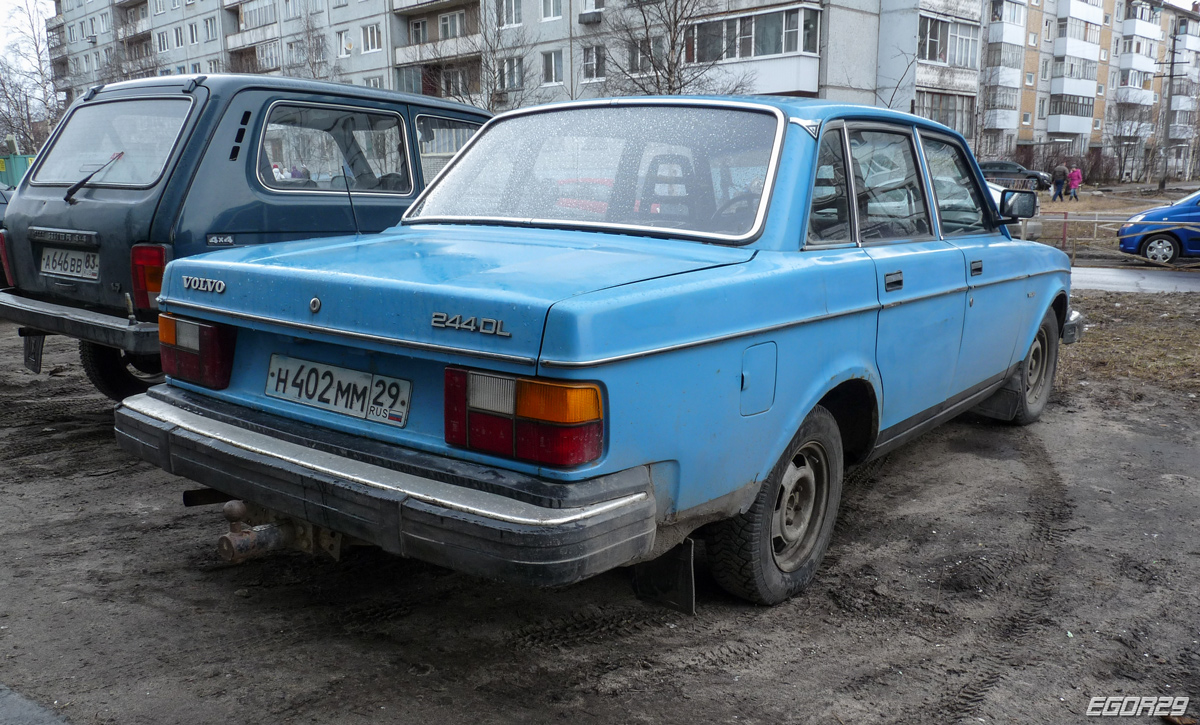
119,374
1162,248
1036,376
772,551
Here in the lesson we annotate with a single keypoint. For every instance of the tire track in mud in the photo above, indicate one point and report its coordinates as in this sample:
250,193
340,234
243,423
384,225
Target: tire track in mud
1048,514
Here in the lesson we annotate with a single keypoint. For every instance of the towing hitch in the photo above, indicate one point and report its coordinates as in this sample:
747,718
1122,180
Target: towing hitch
255,531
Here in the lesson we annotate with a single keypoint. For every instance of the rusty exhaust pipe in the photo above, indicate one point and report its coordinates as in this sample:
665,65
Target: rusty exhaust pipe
247,542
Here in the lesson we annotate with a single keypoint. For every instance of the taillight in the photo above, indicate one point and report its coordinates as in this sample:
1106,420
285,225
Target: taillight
147,262
196,352
552,423
8,274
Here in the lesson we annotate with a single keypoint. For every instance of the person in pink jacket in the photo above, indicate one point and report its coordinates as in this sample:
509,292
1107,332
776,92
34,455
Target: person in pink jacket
1074,180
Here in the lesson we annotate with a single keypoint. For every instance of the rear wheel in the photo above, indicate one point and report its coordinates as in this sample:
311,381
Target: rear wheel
772,551
119,374
1161,248
1036,376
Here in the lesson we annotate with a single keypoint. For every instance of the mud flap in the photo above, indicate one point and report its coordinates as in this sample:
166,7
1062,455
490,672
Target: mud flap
1004,403
670,579
34,341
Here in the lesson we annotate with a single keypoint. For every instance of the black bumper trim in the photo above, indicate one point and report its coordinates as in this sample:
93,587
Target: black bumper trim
549,554
88,325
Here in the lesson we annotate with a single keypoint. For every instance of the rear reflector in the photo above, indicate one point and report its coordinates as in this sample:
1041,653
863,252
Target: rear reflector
551,423
9,279
147,262
196,352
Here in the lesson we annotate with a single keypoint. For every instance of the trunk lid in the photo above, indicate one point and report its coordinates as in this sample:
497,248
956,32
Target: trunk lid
480,291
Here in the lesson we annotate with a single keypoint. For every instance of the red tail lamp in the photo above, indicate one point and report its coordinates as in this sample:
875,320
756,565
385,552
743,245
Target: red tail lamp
196,352
147,262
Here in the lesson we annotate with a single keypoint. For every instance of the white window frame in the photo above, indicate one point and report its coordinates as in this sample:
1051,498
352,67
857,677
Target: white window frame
371,33
340,37
552,61
510,13
178,33
418,38
210,28
1026,119
193,34
593,55
551,10
458,19
508,68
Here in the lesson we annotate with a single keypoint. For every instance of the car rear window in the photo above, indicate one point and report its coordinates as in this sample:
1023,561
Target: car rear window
143,131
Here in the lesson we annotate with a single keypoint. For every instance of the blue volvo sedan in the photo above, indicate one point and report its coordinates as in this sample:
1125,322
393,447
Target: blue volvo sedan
608,327
1165,233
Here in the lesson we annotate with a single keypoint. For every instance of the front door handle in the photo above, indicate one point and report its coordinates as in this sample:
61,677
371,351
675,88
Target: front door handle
893,281
977,268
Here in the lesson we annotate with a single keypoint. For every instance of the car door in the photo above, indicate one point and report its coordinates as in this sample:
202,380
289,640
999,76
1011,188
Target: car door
920,279
1188,217
995,266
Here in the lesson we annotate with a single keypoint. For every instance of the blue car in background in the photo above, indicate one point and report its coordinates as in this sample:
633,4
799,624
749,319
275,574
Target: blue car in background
606,327
1165,233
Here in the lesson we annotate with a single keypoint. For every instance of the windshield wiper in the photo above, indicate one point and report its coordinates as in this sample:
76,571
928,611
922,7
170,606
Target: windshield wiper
69,196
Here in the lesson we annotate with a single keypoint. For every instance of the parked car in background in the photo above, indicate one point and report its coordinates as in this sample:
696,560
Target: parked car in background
5,192
1001,170
1165,233
142,172
607,326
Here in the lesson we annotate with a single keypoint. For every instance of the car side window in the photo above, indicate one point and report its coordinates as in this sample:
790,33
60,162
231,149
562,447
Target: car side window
829,215
438,139
891,198
314,148
959,202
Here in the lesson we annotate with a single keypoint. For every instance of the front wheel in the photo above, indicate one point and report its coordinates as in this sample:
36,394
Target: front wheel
1036,376
119,374
1161,248
772,551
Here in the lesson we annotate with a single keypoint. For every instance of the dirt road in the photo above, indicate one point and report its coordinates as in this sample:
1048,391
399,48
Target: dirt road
982,573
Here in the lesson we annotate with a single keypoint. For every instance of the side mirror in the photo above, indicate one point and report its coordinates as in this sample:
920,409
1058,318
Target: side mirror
1018,204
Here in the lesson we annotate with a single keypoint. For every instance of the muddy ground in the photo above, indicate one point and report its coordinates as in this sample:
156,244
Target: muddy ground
982,573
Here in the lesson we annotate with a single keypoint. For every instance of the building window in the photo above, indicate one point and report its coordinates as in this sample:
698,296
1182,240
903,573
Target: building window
1063,105
210,29
592,5
643,53
196,68
551,9
454,82
193,33
179,37
750,36
1025,120
214,66
1100,89
256,14
510,13
933,37
418,32
340,3
103,22
411,79
552,68
512,74
956,44
1005,55
1079,30
1107,19
593,63
1095,124
371,39
1033,39
1045,69
1007,11
70,33
373,82
1001,98
1041,108
452,25
164,42
1103,54
344,46
955,111
267,55
1029,79
1078,68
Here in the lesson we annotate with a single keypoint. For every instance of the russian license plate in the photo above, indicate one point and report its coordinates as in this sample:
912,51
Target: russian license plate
349,392
70,263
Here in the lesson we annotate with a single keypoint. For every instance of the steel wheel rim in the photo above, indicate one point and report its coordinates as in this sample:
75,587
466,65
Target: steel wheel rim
1159,250
147,378
1035,371
799,511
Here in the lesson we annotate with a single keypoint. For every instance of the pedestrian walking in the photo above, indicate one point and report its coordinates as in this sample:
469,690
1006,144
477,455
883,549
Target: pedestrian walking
1060,178
1074,181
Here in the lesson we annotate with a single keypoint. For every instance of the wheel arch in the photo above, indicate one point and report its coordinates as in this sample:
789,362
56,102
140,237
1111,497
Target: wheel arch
855,407
1152,234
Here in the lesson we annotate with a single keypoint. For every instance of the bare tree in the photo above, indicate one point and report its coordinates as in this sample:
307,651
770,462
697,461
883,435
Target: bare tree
895,93
660,47
308,54
1127,130
29,105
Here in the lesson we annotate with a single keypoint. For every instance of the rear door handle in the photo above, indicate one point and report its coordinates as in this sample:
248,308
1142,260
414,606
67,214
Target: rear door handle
893,281
977,268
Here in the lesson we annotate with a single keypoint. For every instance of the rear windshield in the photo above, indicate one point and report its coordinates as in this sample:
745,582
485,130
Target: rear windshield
143,131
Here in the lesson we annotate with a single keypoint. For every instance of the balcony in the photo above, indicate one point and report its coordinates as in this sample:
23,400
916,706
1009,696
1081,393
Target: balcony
416,7
1183,131
129,31
253,36
438,50
1007,77
1136,96
1076,47
1084,11
1137,61
999,32
1141,28
127,3
1132,129
1069,124
57,48
1183,103
1190,42
1072,87
55,22
1001,120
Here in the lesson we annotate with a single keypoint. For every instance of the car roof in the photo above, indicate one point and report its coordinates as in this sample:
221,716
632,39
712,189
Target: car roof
230,83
